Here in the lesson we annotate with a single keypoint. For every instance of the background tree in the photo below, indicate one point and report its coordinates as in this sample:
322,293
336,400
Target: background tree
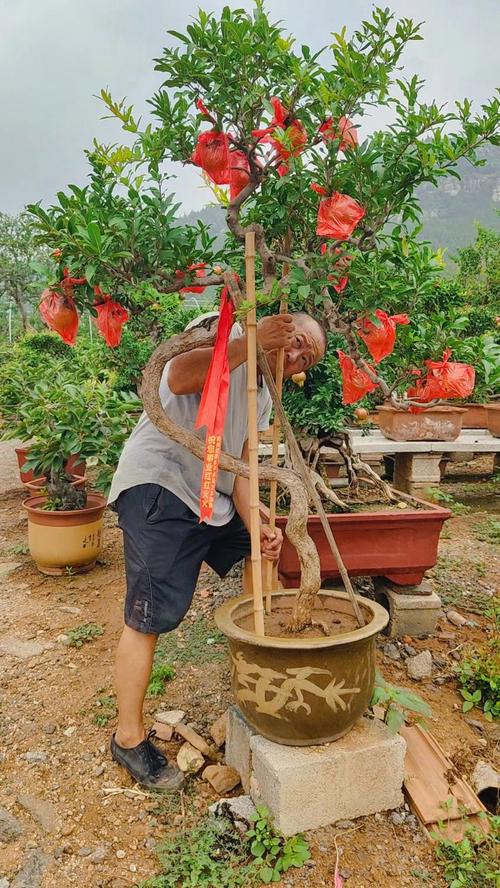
20,255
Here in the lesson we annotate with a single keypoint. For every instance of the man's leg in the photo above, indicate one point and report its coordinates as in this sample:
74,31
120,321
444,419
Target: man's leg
134,661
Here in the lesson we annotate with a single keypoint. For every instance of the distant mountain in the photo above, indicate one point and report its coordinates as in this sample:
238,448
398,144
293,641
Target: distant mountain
449,211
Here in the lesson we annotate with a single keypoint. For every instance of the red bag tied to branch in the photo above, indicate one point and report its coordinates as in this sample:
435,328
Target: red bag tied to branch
444,379
341,265
343,130
199,270
355,382
380,339
111,316
295,132
212,155
213,406
58,309
240,173
338,215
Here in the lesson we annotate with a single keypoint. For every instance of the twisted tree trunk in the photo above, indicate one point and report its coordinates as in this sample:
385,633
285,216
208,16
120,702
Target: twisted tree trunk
296,529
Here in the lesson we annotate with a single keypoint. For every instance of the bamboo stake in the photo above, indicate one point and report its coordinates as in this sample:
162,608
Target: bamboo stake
270,569
253,437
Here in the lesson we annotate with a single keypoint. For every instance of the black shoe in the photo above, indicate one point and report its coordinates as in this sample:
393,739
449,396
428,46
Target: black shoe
146,764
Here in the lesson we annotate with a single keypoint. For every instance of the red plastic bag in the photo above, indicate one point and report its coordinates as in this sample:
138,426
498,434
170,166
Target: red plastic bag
199,270
355,382
212,155
338,215
58,310
341,265
344,130
380,339
240,173
111,316
444,379
294,130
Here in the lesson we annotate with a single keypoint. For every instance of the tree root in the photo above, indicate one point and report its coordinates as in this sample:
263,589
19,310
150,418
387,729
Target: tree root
296,529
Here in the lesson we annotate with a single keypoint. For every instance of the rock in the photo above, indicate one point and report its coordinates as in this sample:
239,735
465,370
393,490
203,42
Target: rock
8,567
411,821
484,777
409,650
35,756
120,854
49,728
68,609
397,818
420,667
163,732
193,738
69,731
62,638
10,828
4,883
221,777
439,661
391,651
23,650
99,855
40,810
84,852
150,844
189,759
218,730
345,824
455,618
99,771
171,717
67,829
239,810
30,876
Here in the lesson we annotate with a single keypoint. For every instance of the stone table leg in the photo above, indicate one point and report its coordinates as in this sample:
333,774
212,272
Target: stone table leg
414,473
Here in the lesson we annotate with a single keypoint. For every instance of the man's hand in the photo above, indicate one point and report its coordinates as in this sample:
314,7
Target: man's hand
275,331
271,542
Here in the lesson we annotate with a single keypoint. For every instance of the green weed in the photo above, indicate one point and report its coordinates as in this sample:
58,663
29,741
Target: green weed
272,853
199,642
82,634
473,861
488,531
161,673
105,711
396,702
446,499
479,677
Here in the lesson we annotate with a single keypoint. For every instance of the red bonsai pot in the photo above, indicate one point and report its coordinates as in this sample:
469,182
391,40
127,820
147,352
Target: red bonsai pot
494,419
432,424
400,546
39,483
475,416
74,465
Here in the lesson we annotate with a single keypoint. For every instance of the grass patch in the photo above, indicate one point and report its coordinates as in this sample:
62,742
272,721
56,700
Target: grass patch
447,500
105,710
452,580
199,642
82,634
160,674
488,531
472,862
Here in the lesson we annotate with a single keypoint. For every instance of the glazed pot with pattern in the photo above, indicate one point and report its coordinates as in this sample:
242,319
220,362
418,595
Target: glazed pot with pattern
302,691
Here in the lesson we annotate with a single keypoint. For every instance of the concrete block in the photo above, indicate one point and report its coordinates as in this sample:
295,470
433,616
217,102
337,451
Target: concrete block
238,754
415,488
418,466
313,786
410,614
383,586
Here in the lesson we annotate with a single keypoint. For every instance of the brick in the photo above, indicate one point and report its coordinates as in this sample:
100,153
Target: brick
309,787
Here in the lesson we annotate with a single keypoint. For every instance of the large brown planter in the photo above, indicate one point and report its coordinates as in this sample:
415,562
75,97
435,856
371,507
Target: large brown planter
62,540
475,416
302,691
432,424
74,465
400,546
494,419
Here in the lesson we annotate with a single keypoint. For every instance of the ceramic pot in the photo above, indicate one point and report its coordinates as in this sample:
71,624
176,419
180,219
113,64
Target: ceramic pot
494,419
475,416
62,540
432,424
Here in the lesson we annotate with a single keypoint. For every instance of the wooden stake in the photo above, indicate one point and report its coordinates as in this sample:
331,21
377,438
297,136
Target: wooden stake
270,569
253,436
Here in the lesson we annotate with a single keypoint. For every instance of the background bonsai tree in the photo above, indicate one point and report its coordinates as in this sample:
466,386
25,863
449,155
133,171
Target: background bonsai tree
279,133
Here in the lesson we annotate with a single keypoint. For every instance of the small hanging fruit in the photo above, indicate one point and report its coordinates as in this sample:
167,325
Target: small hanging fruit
299,378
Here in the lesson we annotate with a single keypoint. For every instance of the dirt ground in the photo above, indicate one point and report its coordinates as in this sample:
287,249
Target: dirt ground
79,817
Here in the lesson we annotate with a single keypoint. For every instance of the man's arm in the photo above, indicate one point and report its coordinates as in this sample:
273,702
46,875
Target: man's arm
187,372
270,540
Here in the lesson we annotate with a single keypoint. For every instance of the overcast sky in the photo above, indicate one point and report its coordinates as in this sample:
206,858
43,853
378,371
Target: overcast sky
55,55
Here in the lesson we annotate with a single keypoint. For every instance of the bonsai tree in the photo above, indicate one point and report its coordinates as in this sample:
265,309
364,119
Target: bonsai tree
278,133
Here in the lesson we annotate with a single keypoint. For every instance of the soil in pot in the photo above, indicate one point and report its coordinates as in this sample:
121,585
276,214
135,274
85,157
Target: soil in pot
301,691
327,622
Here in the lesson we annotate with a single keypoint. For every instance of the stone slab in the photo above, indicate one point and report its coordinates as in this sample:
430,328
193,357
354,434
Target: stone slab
418,466
312,786
410,614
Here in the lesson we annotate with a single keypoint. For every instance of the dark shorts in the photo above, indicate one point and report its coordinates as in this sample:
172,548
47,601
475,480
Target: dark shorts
164,546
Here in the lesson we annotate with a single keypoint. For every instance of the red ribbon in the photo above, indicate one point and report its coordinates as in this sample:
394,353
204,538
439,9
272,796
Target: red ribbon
213,406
